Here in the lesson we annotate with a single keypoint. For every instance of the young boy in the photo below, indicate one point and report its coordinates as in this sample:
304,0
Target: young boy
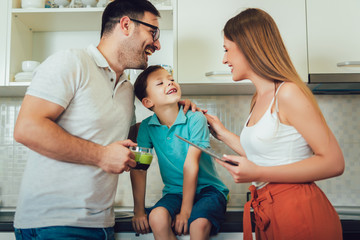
194,198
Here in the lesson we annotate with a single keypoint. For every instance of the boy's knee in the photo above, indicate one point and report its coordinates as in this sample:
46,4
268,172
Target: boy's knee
201,224
159,218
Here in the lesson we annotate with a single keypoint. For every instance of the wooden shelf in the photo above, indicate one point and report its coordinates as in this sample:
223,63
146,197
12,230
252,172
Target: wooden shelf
13,90
74,19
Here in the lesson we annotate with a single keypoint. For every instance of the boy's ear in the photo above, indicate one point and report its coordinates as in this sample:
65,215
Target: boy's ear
147,102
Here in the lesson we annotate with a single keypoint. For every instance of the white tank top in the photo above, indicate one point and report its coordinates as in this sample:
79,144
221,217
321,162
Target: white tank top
271,143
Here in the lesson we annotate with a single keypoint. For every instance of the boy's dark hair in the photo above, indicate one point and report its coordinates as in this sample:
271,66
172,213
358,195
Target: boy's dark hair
119,8
140,84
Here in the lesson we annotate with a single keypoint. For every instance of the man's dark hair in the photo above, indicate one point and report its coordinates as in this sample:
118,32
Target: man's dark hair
120,8
140,84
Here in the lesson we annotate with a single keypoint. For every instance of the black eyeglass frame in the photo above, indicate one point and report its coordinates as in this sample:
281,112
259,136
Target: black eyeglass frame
156,34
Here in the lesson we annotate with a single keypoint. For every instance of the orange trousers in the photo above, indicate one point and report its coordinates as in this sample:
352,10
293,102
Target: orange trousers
291,212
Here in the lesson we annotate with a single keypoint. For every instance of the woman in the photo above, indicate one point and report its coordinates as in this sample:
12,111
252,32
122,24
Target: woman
285,144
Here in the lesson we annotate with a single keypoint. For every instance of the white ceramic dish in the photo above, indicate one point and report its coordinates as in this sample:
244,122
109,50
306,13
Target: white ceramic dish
62,3
23,77
32,3
89,3
29,66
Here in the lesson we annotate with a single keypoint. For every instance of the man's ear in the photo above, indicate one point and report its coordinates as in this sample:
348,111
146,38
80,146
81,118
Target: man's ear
147,102
125,25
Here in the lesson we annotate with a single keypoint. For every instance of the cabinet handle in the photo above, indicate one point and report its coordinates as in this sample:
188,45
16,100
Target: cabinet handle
214,73
348,64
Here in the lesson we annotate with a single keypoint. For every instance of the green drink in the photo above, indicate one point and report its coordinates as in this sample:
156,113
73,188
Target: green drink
137,156
143,157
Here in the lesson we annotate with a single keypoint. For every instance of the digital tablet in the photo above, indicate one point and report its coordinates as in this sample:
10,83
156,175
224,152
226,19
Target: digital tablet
208,151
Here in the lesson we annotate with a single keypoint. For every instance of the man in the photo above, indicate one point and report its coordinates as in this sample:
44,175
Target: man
75,118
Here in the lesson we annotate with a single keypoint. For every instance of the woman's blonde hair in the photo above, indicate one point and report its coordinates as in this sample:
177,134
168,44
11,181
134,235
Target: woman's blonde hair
257,36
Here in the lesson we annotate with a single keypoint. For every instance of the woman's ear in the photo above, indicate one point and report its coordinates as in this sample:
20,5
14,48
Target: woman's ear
147,102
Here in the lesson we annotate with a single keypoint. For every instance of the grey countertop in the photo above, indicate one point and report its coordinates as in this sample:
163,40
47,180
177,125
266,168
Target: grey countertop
233,223
123,222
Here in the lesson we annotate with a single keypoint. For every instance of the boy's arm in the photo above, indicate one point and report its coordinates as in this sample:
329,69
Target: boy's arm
133,132
138,183
191,170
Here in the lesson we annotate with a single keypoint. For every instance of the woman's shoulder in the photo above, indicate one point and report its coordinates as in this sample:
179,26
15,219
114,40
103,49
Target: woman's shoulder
293,103
290,93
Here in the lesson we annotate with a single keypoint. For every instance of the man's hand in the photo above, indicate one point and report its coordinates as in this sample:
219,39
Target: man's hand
117,157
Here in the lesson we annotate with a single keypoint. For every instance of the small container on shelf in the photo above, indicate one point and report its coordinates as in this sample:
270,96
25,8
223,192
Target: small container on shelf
29,66
89,3
76,4
161,3
62,3
33,3
102,3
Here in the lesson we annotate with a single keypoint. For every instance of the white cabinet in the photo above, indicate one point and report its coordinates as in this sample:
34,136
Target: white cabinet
35,34
333,36
7,236
220,236
3,38
200,39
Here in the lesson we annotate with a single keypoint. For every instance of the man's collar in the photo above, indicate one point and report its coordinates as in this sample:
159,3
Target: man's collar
102,63
98,57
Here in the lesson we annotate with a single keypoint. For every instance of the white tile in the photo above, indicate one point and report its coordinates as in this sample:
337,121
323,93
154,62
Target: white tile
341,112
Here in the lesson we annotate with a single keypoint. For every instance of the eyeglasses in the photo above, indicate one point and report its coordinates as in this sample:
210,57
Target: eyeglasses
155,34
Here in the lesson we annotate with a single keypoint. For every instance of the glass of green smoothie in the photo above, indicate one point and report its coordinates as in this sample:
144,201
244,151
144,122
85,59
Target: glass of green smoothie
143,157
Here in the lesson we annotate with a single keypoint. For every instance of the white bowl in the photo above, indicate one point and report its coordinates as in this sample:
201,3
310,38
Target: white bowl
29,66
62,3
89,3
32,3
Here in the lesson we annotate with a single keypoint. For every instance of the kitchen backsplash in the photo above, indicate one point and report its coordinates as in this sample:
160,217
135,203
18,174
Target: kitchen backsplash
342,113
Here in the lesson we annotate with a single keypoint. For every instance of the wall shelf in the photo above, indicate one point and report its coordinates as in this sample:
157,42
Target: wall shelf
35,34
67,19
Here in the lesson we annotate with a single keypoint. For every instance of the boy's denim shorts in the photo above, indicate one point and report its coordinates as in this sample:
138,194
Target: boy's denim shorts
65,233
210,203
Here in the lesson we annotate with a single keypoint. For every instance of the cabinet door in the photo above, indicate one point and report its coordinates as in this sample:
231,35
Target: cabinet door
3,39
150,236
200,38
333,35
7,236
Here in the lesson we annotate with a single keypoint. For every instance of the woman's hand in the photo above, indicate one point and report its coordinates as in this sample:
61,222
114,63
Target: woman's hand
188,104
246,171
216,128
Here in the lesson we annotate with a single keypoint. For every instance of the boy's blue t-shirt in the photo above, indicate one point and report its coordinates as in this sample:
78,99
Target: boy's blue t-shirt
172,152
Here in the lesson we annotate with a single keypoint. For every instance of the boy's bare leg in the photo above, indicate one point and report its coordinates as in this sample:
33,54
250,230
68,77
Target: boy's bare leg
160,223
200,229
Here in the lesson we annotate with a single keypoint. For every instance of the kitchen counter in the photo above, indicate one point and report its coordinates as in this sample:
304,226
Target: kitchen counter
123,224
233,223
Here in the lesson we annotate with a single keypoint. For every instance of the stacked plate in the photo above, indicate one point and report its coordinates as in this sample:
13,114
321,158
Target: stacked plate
23,77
